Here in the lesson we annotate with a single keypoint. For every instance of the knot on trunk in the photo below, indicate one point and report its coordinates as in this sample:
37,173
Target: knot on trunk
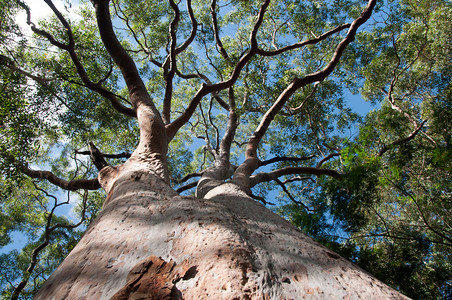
107,177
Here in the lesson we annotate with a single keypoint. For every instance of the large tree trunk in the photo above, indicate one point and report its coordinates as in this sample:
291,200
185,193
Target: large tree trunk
150,243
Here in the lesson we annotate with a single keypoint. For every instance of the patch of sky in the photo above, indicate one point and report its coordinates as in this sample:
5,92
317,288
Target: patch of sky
68,201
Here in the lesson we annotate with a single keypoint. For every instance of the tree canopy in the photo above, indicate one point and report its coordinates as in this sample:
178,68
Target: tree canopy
256,92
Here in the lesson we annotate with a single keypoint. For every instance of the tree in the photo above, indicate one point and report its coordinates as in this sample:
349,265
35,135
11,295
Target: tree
393,204
132,84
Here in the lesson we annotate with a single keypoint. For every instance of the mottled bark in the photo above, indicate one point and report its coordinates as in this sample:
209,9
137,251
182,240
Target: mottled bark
150,243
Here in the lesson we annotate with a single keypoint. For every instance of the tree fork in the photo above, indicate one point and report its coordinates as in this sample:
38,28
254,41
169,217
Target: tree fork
223,246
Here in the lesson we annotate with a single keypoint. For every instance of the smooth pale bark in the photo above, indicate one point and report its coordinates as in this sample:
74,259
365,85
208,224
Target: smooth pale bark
150,243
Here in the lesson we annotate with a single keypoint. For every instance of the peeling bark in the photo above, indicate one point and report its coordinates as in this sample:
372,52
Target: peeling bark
153,278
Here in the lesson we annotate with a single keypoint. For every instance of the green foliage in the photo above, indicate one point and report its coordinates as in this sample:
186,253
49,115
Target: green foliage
391,210
25,213
13,262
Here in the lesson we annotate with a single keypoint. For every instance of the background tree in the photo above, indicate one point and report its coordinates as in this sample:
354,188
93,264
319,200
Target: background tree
393,206
247,92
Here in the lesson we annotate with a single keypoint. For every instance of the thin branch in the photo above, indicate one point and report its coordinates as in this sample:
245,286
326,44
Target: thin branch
421,213
96,157
193,32
283,186
41,80
170,63
214,93
70,49
198,75
106,93
395,79
261,199
406,237
47,233
188,176
303,43
220,46
187,186
285,158
206,138
272,175
9,63
105,155
326,158
401,141
299,178
144,48
212,124
126,20
110,71
295,109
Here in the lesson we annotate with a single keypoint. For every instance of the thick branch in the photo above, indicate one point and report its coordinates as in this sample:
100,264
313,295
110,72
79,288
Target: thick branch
207,89
96,157
73,185
137,89
153,145
251,162
70,49
311,78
